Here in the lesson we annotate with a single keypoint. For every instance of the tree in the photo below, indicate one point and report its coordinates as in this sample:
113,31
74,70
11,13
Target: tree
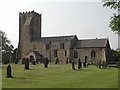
115,55
115,19
14,56
7,48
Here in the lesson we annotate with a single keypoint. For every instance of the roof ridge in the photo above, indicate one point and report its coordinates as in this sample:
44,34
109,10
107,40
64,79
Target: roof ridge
59,36
93,39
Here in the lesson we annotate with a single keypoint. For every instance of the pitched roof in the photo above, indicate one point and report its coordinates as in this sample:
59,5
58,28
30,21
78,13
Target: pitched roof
90,43
57,38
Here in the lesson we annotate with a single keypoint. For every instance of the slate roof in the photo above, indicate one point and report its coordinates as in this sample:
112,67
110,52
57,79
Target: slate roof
95,43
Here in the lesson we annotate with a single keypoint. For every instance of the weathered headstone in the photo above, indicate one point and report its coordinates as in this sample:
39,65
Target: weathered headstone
57,61
67,61
9,71
79,64
46,62
26,64
73,65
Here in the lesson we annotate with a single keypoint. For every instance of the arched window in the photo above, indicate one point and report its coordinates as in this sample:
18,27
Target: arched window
92,53
75,54
65,52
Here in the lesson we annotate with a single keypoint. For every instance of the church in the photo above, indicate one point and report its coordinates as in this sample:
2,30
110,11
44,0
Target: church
61,47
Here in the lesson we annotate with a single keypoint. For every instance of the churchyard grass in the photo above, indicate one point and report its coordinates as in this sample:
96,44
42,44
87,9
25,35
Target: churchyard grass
0,77
59,76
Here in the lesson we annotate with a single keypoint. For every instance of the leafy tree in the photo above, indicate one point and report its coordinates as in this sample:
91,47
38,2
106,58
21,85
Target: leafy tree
112,4
7,48
14,56
115,19
115,55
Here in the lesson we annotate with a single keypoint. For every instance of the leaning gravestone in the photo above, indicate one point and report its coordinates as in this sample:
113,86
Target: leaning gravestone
9,72
26,64
79,64
73,65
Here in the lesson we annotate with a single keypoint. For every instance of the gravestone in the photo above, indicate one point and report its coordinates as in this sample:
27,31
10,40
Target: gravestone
16,61
79,64
26,64
84,64
9,72
57,61
23,60
73,65
104,64
37,61
46,62
67,61
100,64
33,62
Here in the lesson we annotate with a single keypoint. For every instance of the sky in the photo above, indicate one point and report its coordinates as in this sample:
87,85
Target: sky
85,18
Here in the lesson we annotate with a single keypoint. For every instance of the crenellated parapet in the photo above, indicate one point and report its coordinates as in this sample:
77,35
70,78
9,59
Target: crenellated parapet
29,30
29,13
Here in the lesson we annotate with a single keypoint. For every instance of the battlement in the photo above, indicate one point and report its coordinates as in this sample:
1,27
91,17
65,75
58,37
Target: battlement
29,13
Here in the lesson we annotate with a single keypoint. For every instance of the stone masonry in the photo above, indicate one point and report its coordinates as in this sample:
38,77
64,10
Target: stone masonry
61,47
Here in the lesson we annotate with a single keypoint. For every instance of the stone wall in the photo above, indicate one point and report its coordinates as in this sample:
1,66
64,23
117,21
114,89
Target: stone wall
29,29
62,54
87,52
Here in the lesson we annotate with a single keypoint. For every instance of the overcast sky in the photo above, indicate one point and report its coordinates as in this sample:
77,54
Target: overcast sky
60,17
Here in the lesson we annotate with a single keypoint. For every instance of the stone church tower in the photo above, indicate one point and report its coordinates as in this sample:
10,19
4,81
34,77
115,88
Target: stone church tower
29,30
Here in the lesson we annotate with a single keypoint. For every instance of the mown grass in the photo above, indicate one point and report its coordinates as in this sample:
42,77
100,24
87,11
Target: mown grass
0,77
60,76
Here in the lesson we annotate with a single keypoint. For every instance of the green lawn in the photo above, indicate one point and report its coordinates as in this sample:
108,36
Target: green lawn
0,77
60,76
